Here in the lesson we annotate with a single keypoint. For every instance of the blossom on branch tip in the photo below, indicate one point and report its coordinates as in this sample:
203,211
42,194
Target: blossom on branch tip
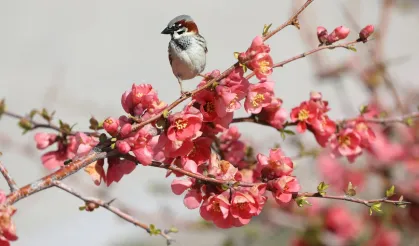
216,208
322,34
43,140
366,32
304,114
111,126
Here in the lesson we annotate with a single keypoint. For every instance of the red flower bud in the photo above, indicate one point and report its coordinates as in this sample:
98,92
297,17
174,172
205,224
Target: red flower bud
123,147
111,126
322,34
339,33
366,32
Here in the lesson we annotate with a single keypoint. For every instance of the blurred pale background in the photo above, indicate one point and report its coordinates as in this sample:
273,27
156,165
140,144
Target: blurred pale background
78,57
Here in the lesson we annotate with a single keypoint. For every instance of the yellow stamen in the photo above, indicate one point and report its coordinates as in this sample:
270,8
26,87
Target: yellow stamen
303,115
258,99
181,124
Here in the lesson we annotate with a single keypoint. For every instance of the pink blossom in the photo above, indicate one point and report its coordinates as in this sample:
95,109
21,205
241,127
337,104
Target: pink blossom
304,114
7,227
342,223
337,175
385,237
111,126
117,168
192,199
243,207
365,132
276,165
206,100
235,151
237,83
123,147
323,129
274,114
222,169
259,96
180,185
216,208
201,150
383,149
143,143
285,186
84,143
262,65
54,159
232,134
43,140
184,125
227,101
346,143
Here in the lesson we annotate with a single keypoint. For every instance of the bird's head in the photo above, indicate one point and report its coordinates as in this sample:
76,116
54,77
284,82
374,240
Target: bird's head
182,25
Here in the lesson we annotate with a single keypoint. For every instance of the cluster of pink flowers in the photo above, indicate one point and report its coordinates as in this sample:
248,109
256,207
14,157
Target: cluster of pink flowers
257,58
349,140
7,227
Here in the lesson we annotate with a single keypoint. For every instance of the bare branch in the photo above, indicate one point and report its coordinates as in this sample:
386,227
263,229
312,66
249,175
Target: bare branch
107,205
10,181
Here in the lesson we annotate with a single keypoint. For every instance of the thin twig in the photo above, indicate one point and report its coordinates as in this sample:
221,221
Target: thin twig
34,124
291,21
367,203
281,64
10,181
110,208
47,181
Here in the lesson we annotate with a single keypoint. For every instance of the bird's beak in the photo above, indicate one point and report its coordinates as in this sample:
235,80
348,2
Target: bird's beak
167,30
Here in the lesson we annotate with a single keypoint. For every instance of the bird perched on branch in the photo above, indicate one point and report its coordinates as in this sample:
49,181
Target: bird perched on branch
187,49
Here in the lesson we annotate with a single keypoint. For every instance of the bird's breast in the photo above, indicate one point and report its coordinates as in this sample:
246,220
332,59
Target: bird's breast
189,62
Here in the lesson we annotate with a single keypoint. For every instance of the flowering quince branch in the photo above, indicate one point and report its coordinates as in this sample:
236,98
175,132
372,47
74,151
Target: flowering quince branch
217,171
93,203
347,45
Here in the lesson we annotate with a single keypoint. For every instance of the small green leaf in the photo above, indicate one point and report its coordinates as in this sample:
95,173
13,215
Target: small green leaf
173,229
363,109
244,67
82,208
390,191
103,138
283,135
376,207
46,115
351,190
289,132
166,113
33,113
225,187
301,201
25,124
321,188
351,48
266,29
236,55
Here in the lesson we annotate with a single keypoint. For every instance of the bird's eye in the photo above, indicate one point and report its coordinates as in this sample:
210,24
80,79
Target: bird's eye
181,31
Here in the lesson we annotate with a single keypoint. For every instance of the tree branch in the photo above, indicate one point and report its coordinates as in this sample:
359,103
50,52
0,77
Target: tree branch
10,181
47,181
346,45
110,208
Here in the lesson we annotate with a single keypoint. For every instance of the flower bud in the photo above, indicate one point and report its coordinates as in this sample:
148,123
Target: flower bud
125,130
123,147
339,33
322,34
111,125
366,32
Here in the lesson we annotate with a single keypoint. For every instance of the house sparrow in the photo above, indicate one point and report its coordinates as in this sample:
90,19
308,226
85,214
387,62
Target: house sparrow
187,49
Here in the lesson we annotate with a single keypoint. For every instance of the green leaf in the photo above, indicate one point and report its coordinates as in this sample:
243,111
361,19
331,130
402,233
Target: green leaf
289,132
82,208
376,207
166,113
225,187
46,115
283,135
351,190
173,229
236,55
321,188
351,48
25,124
266,29
363,109
301,201
390,191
